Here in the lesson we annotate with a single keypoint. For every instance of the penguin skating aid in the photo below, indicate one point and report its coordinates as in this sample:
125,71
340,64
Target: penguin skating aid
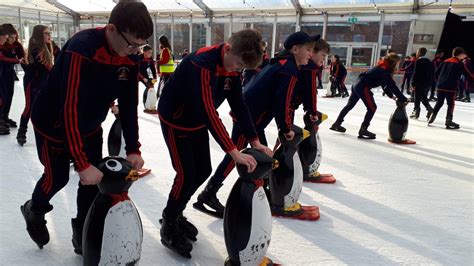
398,126
113,231
286,181
310,152
247,216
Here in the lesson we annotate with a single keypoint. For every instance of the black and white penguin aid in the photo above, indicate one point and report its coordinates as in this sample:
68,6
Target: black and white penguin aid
113,232
286,182
398,125
310,152
247,216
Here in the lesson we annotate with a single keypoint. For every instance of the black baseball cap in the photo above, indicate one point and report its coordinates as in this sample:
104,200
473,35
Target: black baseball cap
298,38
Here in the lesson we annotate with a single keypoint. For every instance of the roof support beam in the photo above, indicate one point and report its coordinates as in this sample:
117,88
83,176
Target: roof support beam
207,11
63,7
299,13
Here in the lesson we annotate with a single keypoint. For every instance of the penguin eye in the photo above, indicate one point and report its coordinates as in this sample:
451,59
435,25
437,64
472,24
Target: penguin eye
113,165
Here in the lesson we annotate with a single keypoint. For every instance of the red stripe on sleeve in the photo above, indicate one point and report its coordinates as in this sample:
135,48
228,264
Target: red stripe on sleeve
291,86
71,117
211,111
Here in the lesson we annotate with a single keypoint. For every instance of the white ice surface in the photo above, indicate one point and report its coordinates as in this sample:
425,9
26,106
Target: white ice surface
391,204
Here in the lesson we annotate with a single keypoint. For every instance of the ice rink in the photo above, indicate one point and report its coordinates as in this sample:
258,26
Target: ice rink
391,204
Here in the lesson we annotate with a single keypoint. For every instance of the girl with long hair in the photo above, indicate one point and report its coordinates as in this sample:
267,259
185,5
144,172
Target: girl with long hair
39,61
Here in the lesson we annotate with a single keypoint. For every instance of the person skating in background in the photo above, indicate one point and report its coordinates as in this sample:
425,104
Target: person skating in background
147,65
380,75
338,74
188,110
95,67
4,127
468,85
438,59
407,67
40,60
270,94
165,63
423,73
13,53
447,78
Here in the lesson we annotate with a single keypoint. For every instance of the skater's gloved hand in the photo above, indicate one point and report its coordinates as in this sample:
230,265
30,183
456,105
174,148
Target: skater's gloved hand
90,176
259,146
136,161
290,135
244,159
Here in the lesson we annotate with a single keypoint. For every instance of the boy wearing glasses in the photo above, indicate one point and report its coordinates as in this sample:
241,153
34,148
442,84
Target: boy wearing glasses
188,109
95,67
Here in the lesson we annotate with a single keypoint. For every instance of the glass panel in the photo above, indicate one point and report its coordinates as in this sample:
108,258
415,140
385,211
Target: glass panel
237,26
88,5
395,36
361,57
341,51
199,36
164,5
266,29
348,32
217,33
283,31
312,28
181,38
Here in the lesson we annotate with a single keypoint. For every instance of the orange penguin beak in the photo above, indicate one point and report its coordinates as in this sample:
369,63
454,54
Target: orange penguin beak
132,176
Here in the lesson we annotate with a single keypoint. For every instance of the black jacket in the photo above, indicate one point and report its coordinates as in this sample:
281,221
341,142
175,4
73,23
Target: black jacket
422,73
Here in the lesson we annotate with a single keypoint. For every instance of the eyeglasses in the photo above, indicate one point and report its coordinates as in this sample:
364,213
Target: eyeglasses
47,33
132,45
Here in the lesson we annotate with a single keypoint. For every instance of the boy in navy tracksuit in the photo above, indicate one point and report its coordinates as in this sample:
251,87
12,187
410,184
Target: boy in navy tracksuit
338,76
447,77
187,110
269,95
423,73
4,127
13,53
436,63
95,67
146,62
408,67
469,79
381,75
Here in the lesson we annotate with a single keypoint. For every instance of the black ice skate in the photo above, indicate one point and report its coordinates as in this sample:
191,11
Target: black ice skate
173,238
190,231
21,136
451,125
365,134
208,202
337,127
76,236
35,224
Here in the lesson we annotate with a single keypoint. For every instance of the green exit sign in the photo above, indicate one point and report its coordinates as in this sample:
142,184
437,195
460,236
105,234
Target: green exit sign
352,20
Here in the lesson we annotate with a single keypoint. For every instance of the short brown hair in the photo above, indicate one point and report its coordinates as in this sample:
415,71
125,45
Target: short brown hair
422,51
458,50
132,17
248,45
321,45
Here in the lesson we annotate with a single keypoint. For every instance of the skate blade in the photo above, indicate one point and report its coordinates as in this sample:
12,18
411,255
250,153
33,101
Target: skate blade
403,142
22,209
201,207
180,252
365,137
